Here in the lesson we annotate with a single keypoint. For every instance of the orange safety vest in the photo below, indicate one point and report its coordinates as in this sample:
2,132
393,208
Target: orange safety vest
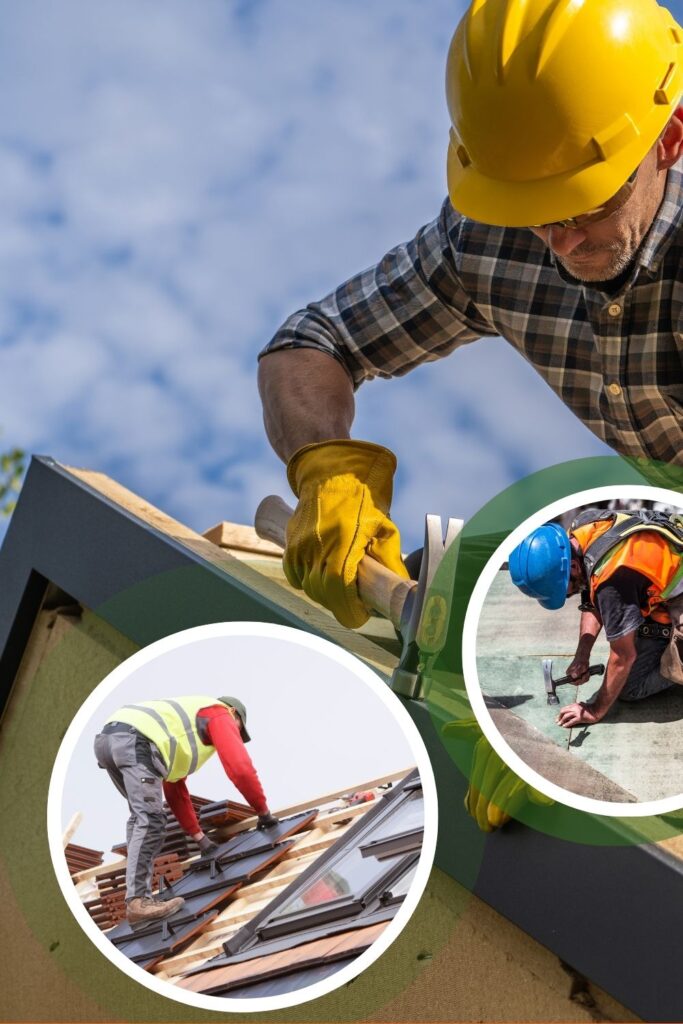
646,551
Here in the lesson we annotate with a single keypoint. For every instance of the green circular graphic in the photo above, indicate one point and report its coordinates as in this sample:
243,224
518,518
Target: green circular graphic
491,780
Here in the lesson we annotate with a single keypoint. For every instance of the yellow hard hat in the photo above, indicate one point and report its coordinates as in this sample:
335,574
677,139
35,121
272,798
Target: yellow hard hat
554,103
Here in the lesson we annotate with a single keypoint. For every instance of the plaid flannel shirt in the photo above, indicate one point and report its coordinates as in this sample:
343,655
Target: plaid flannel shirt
615,360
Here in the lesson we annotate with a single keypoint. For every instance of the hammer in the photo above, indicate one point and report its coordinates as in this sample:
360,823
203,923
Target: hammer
420,620
550,683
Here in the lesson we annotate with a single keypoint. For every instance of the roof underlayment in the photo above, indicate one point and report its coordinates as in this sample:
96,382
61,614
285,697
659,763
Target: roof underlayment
634,754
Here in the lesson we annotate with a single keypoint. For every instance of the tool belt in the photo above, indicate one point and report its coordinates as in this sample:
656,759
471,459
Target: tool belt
655,630
671,665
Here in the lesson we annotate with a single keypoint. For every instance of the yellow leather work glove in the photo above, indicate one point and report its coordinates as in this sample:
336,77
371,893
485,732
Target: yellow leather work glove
344,490
495,793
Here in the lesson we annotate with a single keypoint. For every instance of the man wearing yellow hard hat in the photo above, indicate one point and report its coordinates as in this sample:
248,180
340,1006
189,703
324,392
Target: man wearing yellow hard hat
561,234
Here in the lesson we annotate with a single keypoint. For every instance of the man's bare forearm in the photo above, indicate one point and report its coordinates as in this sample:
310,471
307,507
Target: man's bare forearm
621,659
589,630
307,397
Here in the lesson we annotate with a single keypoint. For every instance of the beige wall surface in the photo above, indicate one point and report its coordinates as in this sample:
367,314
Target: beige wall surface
456,959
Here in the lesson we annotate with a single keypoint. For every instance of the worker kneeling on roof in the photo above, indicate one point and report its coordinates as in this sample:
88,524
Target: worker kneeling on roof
629,569
148,750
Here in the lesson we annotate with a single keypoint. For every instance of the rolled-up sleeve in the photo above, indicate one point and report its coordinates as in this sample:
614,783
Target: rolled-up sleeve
409,309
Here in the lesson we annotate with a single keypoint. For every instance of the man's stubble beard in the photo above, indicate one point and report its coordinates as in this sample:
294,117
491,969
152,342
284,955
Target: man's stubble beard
621,257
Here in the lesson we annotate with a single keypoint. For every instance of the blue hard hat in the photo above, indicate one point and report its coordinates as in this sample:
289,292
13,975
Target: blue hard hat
541,564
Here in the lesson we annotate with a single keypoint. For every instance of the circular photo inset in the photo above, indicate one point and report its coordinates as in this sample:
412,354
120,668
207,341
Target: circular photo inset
573,651
242,816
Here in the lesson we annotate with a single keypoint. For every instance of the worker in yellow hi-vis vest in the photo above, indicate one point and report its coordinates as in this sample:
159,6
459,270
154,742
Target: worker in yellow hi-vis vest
148,749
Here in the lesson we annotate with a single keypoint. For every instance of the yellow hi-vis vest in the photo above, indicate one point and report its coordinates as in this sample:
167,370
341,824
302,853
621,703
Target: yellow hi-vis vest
172,726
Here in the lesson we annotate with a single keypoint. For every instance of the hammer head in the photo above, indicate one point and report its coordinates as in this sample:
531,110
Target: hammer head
426,613
549,681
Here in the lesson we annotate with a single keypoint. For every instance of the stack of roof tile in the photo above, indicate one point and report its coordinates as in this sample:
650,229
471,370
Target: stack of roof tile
212,816
110,905
224,812
175,841
80,858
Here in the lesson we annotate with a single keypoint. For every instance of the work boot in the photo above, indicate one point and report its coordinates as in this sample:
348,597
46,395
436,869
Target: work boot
143,909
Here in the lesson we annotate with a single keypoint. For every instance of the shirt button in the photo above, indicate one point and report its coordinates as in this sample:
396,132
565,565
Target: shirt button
614,389
614,309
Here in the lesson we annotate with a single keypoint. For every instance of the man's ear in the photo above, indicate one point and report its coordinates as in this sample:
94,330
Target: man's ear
670,144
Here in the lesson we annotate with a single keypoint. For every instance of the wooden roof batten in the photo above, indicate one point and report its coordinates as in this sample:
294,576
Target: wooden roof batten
110,551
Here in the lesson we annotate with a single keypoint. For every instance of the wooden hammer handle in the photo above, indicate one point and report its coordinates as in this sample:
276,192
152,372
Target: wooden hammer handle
270,521
378,587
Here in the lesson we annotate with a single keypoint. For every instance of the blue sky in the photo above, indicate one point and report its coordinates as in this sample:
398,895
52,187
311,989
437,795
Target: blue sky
322,741
175,178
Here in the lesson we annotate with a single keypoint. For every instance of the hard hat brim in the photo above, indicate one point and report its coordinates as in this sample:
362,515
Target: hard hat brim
516,204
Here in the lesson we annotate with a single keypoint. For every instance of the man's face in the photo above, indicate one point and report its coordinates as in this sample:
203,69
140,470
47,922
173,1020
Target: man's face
575,578
602,250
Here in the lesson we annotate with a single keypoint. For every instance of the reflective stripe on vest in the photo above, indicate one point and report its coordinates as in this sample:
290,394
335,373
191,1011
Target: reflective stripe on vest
172,726
646,551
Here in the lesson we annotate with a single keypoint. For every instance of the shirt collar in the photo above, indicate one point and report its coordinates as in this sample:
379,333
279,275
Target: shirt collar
665,225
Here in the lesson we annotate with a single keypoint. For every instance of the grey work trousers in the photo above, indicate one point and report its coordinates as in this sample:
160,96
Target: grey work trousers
651,672
137,769
645,678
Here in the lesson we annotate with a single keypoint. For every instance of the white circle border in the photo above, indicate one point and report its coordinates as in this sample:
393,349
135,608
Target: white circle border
224,1004
469,654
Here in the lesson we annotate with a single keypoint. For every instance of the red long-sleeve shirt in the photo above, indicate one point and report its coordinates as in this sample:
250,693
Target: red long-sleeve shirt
223,733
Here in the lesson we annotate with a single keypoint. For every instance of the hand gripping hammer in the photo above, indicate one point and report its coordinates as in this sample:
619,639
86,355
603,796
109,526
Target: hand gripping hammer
421,618
550,683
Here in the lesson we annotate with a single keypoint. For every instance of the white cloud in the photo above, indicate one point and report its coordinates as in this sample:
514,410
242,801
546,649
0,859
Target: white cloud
175,179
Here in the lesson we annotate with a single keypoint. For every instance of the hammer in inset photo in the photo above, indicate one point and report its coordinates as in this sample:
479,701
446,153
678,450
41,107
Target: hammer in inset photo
550,683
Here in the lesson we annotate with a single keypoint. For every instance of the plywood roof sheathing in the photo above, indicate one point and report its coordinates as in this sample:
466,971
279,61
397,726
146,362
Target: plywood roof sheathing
237,538
70,829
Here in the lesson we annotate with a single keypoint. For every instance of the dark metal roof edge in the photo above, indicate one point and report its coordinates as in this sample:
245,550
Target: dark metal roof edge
68,533
614,925
181,549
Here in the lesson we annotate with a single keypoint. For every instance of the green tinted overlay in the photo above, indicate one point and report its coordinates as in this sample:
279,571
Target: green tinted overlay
492,782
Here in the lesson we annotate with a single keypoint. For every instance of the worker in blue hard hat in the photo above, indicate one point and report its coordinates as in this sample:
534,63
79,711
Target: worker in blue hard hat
629,569
541,566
